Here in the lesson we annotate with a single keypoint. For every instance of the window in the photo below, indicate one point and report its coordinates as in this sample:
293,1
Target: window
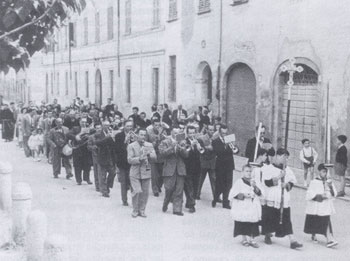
66,84
155,85
128,85
239,2
172,10
76,83
97,27
46,87
172,79
110,25
72,34
156,13
52,82
111,82
65,37
86,31
58,83
204,6
57,40
128,17
87,84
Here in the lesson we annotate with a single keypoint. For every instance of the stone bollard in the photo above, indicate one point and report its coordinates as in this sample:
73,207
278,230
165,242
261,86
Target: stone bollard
36,234
56,248
5,203
5,186
21,207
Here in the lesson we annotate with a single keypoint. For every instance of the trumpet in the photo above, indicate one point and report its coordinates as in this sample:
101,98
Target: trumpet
195,143
233,147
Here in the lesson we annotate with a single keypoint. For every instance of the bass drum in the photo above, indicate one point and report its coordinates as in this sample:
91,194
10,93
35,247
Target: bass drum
67,150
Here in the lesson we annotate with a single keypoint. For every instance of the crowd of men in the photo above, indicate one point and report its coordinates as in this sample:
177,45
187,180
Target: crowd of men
171,150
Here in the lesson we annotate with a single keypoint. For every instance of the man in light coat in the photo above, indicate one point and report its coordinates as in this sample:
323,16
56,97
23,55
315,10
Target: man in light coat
140,153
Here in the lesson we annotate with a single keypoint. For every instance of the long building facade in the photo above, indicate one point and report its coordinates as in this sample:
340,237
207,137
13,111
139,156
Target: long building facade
227,52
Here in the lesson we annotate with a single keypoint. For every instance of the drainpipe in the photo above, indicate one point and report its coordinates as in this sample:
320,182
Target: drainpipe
118,40
218,80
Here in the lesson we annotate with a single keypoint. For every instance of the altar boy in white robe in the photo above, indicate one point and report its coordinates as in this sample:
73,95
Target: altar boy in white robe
319,207
246,208
272,177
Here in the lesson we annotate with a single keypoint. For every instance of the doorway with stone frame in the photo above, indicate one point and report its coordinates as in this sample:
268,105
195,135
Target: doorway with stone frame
305,112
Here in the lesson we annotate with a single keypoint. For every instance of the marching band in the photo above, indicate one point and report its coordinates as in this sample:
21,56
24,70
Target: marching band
178,156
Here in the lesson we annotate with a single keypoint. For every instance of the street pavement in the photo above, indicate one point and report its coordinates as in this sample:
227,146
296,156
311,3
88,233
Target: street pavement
101,229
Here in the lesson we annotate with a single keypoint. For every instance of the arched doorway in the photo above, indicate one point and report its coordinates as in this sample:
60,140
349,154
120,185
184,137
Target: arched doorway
205,81
241,103
304,121
98,89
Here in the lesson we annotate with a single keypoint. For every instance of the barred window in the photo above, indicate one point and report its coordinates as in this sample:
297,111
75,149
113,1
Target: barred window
156,13
239,2
66,85
155,85
204,6
97,27
128,85
172,10
128,17
87,84
76,83
111,83
86,31
172,79
52,82
110,25
58,83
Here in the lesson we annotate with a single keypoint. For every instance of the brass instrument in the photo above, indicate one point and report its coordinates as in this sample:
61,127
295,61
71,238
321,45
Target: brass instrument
233,147
195,143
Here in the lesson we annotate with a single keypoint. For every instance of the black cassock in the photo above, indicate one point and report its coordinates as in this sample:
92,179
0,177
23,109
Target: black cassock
223,169
8,124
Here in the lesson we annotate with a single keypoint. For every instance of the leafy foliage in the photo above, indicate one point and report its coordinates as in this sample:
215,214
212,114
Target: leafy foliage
25,26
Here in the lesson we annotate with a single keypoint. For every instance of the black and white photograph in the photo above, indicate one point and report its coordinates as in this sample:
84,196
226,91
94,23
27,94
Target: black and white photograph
174,130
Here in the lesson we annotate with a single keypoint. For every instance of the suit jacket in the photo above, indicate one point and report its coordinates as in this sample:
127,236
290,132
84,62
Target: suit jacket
47,125
26,125
224,156
342,156
167,117
51,138
173,161
154,138
138,169
250,149
92,147
208,158
121,153
175,116
105,154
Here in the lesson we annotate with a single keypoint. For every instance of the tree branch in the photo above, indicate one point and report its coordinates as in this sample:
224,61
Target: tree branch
29,23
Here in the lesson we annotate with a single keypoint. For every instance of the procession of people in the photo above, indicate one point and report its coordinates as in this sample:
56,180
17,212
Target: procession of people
172,152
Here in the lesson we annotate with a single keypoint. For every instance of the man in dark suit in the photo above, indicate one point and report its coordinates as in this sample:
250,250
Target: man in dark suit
105,158
193,168
174,171
122,140
166,117
224,168
135,116
108,108
179,115
264,143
